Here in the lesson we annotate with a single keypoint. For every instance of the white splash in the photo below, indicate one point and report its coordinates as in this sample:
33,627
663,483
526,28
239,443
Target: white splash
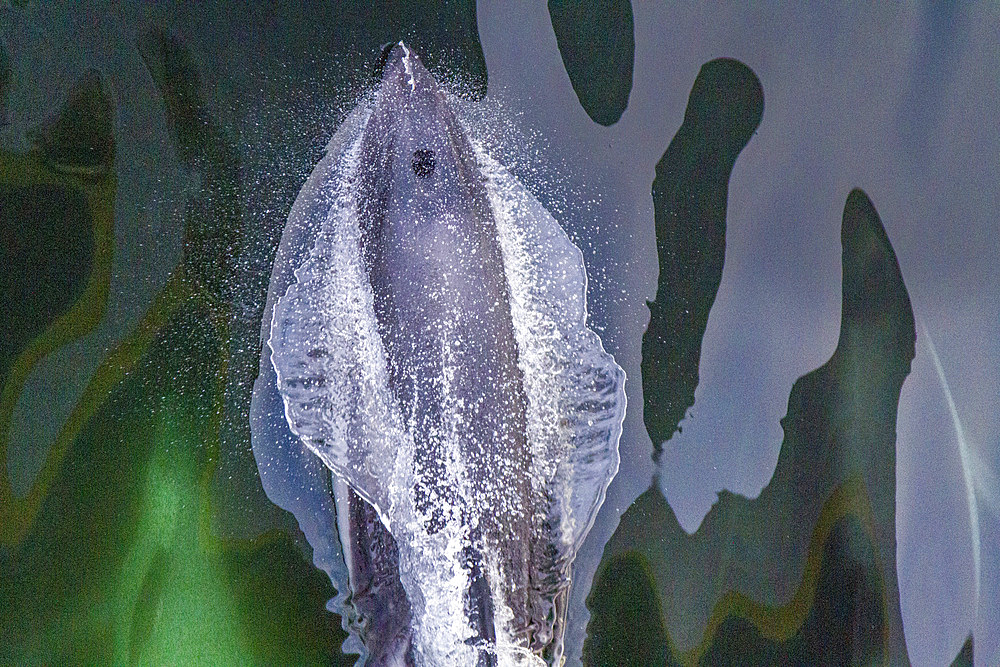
966,457
409,66
331,370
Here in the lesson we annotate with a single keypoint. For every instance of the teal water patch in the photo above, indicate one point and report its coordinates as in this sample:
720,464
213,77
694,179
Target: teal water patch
46,248
965,657
626,621
213,226
846,621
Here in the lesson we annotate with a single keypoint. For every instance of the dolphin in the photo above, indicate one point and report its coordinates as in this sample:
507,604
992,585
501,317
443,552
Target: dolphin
431,252
426,334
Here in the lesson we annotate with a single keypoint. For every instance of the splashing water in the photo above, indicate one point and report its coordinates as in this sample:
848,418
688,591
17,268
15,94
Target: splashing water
479,534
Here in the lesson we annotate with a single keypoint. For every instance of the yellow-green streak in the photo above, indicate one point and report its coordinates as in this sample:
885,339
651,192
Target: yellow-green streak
780,623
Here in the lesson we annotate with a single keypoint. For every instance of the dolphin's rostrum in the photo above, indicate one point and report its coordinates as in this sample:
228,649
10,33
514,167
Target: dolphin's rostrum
426,329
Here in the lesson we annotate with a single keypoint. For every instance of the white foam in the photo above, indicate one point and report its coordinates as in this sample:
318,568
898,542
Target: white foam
408,66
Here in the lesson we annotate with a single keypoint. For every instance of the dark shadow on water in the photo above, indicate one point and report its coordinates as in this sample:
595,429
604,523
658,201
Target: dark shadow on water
46,247
626,626
597,44
80,137
689,206
4,81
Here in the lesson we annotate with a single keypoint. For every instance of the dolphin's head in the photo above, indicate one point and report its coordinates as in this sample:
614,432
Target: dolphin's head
403,70
412,98
418,165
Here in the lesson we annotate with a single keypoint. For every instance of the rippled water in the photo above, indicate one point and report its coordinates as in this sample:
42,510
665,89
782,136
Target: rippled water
217,118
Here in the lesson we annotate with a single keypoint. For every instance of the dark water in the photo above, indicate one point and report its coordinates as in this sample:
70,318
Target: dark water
150,155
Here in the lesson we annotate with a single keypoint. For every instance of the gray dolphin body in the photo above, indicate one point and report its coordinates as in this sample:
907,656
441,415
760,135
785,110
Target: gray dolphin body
430,248
426,340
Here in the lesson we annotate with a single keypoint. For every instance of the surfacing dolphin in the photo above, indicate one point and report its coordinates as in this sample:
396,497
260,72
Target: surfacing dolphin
426,338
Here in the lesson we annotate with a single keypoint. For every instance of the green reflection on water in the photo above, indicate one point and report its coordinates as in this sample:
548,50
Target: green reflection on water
122,565
174,604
